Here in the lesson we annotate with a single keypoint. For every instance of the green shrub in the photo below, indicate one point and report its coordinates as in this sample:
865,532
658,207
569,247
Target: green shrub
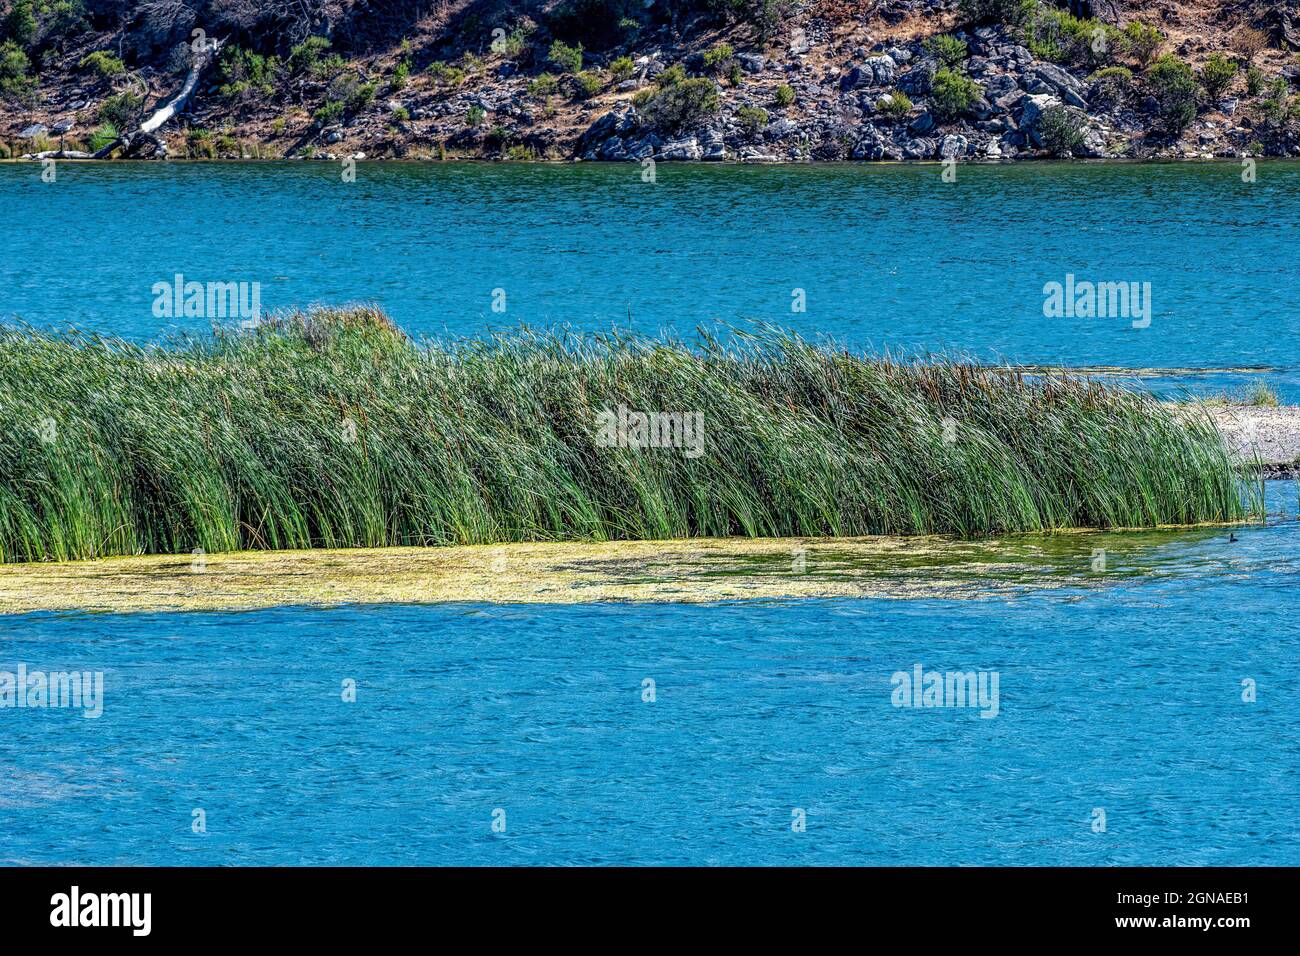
784,95
1112,85
952,94
15,82
122,110
513,44
587,84
18,26
622,68
899,105
1217,74
445,74
751,119
104,65
199,145
671,76
1143,41
101,136
565,58
543,85
62,19
1277,108
1060,130
1254,80
328,66
948,50
329,113
1168,72
1011,12
682,104
765,17
1056,35
718,59
307,55
360,98
401,74
243,70
475,116
348,90
1175,88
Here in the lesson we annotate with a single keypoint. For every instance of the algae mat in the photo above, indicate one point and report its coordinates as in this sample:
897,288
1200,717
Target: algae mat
681,571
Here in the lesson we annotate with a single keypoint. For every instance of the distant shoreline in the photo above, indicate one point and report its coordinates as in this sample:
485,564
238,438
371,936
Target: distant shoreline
1272,433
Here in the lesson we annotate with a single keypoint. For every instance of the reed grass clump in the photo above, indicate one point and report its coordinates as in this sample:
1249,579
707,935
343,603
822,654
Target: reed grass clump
333,429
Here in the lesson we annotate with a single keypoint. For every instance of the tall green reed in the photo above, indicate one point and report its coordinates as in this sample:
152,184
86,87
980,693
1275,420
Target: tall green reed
332,429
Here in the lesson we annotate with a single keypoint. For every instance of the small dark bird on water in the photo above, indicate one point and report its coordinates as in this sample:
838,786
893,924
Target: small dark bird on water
1231,537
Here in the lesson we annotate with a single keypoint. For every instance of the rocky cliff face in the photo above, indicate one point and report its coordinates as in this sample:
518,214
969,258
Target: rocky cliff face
887,81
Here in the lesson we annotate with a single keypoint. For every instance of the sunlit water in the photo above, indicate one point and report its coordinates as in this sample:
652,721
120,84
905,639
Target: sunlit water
1124,697
886,256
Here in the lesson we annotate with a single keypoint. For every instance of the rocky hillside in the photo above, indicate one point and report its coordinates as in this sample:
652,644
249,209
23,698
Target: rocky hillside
749,80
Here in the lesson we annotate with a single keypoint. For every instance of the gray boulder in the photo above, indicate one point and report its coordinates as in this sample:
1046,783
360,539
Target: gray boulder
645,146
686,149
1033,108
1050,78
882,69
780,129
916,81
711,145
919,148
1094,143
1009,101
953,146
999,85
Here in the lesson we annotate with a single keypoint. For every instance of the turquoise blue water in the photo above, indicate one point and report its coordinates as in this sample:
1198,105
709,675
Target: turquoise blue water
887,256
1122,695
1118,693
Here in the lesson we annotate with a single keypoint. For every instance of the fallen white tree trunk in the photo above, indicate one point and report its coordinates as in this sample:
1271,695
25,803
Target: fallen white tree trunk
60,154
134,141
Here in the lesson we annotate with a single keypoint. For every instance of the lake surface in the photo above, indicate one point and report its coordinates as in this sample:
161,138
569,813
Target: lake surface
1124,697
886,256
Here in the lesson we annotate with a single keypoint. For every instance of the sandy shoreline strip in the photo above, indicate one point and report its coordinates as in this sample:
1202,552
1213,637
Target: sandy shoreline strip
1271,433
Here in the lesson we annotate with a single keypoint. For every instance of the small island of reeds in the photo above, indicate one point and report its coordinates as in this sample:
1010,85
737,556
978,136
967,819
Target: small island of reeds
332,429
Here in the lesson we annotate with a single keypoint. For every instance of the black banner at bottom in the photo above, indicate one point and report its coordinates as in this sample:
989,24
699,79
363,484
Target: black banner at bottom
338,905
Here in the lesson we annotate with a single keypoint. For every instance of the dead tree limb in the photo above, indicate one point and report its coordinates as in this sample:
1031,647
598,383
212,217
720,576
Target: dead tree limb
145,138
